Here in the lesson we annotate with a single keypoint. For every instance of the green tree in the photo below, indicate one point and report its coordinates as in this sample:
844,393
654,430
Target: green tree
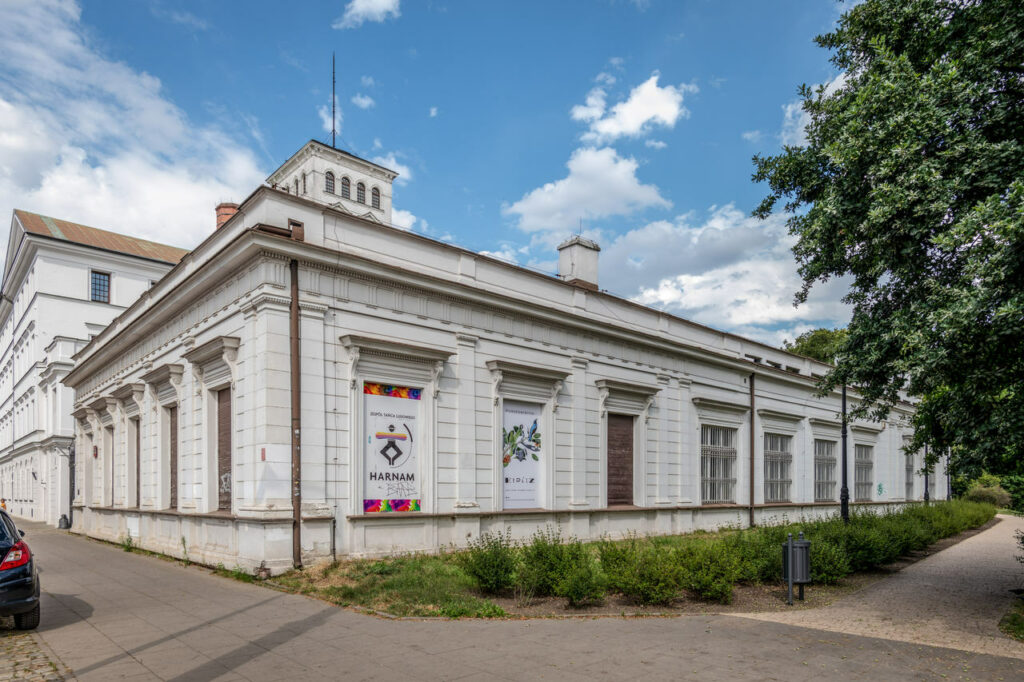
821,344
911,183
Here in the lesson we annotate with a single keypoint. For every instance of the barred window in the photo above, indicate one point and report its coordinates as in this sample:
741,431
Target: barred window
778,460
908,486
361,193
717,464
346,189
329,182
375,198
863,472
931,484
99,290
824,470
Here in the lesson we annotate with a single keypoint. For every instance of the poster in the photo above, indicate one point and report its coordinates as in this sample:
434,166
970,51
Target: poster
521,454
391,476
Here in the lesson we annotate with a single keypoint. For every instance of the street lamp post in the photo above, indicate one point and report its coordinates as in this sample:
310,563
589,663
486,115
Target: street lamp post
949,480
844,491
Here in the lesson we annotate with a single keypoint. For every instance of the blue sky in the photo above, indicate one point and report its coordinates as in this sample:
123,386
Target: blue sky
513,125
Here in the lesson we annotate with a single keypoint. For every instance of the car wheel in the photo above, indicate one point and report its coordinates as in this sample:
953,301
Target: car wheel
28,620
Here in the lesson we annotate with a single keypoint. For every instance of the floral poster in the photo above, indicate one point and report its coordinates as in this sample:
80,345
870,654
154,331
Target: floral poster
521,455
391,468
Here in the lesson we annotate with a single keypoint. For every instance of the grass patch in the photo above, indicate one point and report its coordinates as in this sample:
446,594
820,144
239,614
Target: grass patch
236,573
1012,623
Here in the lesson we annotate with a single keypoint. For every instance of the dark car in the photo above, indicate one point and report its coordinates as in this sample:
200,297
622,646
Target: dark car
19,580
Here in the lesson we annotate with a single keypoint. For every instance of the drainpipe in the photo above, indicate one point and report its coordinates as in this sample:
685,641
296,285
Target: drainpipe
752,421
295,359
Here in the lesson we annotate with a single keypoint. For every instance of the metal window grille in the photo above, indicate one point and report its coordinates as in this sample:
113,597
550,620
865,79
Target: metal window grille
717,464
824,470
361,193
778,460
931,484
100,288
346,189
375,197
908,486
863,472
329,182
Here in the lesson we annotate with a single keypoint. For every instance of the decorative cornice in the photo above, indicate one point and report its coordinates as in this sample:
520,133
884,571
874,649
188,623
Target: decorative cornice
720,405
408,350
213,349
163,374
532,371
868,428
779,416
613,386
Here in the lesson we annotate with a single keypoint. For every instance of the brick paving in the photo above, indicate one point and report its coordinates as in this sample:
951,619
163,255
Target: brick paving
22,657
111,615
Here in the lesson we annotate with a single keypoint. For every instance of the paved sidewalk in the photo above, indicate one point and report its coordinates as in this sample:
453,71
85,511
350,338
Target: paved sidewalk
954,598
111,615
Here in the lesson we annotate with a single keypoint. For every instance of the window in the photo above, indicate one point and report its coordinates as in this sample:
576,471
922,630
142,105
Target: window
824,470
303,183
908,486
375,197
329,182
778,458
361,193
717,464
346,189
931,484
100,289
863,466
296,186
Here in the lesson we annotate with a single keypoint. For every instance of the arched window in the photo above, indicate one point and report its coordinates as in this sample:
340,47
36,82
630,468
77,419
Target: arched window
361,193
296,186
303,183
346,189
375,197
329,182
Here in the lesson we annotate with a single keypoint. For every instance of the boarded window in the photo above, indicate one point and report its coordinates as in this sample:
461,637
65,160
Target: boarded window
863,472
778,460
224,449
717,465
172,429
824,470
620,459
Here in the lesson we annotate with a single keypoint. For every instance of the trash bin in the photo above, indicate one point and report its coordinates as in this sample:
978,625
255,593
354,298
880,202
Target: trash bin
796,563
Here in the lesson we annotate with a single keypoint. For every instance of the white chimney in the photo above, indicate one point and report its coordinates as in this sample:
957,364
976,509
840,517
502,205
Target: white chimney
577,262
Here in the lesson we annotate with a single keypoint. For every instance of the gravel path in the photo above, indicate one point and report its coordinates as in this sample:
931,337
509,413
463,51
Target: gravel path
954,598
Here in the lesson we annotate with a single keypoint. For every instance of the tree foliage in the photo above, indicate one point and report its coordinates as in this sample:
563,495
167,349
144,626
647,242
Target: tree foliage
821,344
911,183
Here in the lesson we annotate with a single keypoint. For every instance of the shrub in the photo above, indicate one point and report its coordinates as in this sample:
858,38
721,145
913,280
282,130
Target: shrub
546,559
654,577
828,562
619,560
1015,486
989,494
584,583
709,570
758,553
490,560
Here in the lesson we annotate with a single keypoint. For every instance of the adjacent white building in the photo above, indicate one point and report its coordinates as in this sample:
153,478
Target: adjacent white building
311,381
62,284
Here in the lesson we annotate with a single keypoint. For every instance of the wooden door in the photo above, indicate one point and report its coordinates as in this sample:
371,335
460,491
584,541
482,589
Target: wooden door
224,449
620,459
138,463
172,427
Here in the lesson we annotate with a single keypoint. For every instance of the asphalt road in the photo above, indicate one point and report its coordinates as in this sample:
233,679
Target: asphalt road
111,615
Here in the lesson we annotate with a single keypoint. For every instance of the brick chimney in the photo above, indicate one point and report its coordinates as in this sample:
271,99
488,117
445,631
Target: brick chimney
224,212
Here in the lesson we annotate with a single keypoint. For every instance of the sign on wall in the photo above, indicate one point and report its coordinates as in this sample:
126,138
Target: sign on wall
521,454
390,464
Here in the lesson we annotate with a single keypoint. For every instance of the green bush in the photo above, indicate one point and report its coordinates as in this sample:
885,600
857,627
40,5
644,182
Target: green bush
709,569
989,494
654,577
619,560
1015,486
546,559
490,560
584,583
828,563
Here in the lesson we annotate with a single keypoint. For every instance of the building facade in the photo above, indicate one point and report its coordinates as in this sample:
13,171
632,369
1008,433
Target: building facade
312,382
62,284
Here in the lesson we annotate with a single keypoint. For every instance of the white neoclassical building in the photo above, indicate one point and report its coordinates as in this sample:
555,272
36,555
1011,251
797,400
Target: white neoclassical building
62,284
311,381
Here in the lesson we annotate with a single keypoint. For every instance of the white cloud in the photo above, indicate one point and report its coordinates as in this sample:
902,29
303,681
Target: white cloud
390,161
363,101
795,120
377,143
605,78
95,141
731,271
433,112
647,106
506,253
403,219
367,81
359,11
752,135
600,183
324,112
655,144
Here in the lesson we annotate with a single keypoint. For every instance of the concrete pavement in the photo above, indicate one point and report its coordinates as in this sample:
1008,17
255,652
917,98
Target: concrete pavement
109,615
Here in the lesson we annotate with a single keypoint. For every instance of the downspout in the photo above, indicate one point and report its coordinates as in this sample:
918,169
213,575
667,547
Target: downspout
295,361
752,422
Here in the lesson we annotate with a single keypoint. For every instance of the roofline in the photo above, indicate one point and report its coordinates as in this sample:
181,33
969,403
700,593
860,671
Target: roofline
392,173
